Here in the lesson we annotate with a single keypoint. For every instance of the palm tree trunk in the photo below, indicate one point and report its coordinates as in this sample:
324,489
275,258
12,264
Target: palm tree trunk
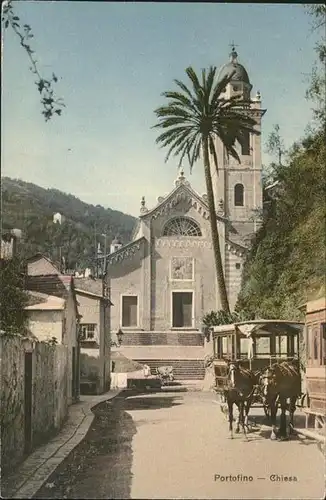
214,230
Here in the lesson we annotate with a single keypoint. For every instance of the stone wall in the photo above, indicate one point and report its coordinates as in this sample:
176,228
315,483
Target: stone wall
12,401
46,324
48,395
49,390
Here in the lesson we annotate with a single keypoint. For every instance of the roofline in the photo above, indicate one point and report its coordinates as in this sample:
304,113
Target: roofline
232,326
174,190
108,255
258,321
241,247
91,294
37,307
314,305
37,294
40,254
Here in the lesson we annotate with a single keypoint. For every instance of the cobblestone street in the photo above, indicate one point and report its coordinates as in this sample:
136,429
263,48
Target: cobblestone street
176,445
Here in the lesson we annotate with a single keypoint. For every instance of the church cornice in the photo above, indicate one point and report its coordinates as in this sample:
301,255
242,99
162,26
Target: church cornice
235,248
125,252
256,112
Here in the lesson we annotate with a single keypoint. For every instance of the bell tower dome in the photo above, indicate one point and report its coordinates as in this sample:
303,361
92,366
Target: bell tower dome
239,84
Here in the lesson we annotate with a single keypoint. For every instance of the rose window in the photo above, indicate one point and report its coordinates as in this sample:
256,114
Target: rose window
181,226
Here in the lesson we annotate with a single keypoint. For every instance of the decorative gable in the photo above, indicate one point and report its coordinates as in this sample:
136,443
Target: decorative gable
182,192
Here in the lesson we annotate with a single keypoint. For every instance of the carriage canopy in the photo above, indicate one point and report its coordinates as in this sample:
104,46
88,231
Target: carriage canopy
257,339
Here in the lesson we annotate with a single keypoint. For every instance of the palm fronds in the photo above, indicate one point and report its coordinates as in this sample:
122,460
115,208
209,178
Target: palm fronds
201,111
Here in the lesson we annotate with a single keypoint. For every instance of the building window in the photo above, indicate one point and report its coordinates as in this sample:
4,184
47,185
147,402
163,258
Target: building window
181,226
308,342
129,310
238,195
238,265
323,343
87,331
315,343
244,140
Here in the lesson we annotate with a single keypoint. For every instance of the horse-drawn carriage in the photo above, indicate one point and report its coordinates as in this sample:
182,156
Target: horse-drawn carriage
315,340
256,346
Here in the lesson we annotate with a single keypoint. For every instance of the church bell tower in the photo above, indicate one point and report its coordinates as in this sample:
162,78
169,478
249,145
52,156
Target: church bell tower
238,186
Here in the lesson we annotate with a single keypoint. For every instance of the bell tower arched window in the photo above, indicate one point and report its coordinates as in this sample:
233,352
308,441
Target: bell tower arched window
181,226
238,195
244,140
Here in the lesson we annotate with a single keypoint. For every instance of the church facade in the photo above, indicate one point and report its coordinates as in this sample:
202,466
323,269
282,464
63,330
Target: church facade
163,282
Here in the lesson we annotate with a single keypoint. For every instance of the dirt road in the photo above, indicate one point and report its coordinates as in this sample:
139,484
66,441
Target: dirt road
176,445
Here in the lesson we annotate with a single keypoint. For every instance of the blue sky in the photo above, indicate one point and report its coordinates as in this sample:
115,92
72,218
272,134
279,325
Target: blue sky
114,60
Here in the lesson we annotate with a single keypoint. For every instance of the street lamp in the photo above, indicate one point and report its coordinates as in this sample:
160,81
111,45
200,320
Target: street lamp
206,331
119,338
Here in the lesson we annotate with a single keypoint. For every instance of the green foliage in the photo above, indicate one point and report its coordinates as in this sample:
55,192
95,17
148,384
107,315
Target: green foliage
199,113
286,264
13,298
31,208
275,144
215,318
52,105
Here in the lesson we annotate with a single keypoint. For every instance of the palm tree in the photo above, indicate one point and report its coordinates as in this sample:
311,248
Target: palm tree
192,121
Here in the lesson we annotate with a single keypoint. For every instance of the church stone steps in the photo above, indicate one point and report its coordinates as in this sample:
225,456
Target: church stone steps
183,369
182,338
162,352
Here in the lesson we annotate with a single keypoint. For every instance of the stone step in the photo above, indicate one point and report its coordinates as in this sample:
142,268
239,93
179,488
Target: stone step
179,338
183,369
162,352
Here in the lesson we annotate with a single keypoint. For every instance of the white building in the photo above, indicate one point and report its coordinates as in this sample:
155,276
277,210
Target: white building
58,218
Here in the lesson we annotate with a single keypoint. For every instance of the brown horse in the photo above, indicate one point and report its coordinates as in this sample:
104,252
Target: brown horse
240,391
280,382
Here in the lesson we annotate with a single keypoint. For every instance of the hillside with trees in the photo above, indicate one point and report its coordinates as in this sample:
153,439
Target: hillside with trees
286,264
31,208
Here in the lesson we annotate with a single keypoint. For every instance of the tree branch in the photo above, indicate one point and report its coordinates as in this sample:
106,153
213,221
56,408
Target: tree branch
50,102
